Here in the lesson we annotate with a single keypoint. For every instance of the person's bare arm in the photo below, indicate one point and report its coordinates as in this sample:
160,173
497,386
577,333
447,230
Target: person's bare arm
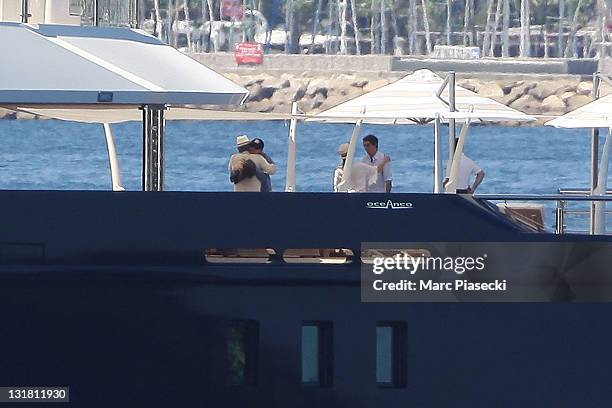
479,177
268,168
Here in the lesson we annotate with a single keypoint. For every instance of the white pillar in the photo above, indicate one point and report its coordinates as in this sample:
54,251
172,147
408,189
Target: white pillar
451,186
291,150
437,156
602,186
112,158
345,184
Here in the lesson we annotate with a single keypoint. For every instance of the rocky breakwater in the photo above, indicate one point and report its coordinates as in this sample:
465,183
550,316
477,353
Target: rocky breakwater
545,97
316,92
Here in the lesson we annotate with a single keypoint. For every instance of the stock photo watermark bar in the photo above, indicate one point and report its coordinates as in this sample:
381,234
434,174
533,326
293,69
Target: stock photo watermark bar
486,272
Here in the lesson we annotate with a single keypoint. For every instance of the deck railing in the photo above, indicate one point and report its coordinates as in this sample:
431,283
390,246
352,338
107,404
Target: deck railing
563,201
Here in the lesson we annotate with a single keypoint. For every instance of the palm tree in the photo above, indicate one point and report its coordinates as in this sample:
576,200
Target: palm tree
466,21
506,28
315,24
289,26
570,49
498,10
187,23
158,19
355,28
561,18
373,30
342,21
383,28
486,39
448,22
525,41
426,23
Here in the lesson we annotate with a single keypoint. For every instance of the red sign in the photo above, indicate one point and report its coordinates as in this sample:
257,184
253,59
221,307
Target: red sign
233,9
249,53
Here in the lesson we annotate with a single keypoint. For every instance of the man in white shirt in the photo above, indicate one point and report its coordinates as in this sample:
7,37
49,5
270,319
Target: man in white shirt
374,157
467,169
362,174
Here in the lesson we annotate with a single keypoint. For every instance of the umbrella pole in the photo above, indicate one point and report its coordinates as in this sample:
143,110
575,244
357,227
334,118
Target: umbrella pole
345,185
594,154
437,156
451,122
153,129
451,187
292,151
600,206
116,183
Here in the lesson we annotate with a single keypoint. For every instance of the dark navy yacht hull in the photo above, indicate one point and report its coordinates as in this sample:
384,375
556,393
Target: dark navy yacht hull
109,294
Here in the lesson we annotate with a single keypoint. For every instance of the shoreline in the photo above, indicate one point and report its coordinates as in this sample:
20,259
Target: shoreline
317,91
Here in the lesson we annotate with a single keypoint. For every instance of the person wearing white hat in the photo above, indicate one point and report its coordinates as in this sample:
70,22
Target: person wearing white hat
243,167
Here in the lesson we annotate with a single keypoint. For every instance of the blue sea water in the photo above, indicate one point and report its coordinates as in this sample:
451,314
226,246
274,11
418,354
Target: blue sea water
50,154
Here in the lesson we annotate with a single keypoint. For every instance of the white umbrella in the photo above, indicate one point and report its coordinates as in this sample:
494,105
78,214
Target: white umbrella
109,75
596,114
419,98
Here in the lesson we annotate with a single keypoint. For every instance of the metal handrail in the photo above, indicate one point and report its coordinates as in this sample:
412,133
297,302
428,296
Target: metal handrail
562,199
578,191
543,197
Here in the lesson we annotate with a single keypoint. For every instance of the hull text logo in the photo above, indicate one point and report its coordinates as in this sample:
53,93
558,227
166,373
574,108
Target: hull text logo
393,205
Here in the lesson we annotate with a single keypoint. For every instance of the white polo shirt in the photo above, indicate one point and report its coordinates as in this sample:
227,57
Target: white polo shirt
467,169
386,175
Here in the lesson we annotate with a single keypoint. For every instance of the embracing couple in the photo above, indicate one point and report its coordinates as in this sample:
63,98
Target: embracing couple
250,168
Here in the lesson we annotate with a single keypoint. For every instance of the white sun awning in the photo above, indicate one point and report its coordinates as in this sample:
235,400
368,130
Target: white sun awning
413,99
127,113
596,114
68,65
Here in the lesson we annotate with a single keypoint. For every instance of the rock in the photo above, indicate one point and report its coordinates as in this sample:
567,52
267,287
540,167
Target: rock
24,115
470,85
544,89
315,102
258,93
584,88
375,85
517,90
277,84
577,101
566,96
315,88
565,88
553,103
282,97
299,93
359,84
253,82
345,77
526,103
491,90
264,106
7,114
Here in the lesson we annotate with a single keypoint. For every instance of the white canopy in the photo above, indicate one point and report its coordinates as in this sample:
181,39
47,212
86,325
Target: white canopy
413,99
596,114
127,113
69,65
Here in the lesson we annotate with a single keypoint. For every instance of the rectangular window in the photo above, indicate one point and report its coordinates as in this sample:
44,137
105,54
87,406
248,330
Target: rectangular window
391,354
317,354
242,350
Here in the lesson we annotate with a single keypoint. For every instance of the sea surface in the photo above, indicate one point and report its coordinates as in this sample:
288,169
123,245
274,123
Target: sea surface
51,154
